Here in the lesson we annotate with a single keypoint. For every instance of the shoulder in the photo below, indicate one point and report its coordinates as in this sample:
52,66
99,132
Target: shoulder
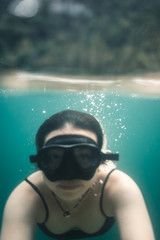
25,202
124,200
120,181
23,210
120,190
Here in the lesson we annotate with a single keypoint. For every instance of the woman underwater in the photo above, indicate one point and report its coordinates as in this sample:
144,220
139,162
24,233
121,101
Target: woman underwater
75,193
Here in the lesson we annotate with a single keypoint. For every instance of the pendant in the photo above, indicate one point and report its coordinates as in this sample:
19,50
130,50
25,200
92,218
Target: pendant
66,214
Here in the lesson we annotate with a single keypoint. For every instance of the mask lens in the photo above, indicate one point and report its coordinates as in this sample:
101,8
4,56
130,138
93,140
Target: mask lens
51,159
86,157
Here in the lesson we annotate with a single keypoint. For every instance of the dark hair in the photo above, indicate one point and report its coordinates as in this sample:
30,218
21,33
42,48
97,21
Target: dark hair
76,118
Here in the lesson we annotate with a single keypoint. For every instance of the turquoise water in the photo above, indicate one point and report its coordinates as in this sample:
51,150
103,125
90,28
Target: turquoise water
132,125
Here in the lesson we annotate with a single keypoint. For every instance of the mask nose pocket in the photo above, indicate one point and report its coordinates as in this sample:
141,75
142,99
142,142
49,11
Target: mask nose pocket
70,167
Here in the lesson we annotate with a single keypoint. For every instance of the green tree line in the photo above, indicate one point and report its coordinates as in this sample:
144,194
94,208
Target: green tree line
92,37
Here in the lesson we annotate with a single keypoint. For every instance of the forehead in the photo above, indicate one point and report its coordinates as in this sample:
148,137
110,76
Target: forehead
71,130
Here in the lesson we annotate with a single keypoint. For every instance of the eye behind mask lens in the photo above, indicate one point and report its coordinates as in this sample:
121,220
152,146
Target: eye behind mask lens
86,157
51,159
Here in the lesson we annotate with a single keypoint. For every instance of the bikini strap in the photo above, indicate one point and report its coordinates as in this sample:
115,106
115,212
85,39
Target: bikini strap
42,198
101,198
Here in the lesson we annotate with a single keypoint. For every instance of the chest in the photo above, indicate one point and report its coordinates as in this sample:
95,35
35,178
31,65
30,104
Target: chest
87,217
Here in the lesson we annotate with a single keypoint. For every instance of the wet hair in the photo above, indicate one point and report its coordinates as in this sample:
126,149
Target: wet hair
77,119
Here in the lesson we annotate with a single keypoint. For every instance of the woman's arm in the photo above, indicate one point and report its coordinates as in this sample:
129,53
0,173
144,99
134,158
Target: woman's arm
129,209
19,218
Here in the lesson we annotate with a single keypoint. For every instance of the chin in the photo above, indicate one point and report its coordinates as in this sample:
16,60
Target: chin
70,194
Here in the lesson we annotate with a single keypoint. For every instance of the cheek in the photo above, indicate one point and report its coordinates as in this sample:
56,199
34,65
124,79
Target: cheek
94,178
51,185
92,181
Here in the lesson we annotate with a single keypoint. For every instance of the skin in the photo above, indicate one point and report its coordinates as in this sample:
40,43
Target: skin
122,199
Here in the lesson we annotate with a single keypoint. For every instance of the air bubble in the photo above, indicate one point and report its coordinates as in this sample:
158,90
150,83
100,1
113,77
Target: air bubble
120,135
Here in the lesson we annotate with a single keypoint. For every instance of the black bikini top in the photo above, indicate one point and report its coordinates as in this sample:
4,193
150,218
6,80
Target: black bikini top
74,233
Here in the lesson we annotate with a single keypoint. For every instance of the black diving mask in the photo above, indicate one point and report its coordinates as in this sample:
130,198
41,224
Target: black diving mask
70,157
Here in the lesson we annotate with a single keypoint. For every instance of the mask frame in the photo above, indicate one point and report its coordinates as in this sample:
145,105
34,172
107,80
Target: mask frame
68,145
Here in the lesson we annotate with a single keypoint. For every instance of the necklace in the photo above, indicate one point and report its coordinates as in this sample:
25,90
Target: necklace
67,213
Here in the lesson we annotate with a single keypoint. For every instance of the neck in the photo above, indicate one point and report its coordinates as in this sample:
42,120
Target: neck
73,203
68,202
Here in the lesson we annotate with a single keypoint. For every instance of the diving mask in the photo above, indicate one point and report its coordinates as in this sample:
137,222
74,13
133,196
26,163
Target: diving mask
70,157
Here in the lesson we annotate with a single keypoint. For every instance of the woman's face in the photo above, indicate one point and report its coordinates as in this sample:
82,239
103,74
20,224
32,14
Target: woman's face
70,189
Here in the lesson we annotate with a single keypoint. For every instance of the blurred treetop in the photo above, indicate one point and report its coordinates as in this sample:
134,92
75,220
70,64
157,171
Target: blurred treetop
94,37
